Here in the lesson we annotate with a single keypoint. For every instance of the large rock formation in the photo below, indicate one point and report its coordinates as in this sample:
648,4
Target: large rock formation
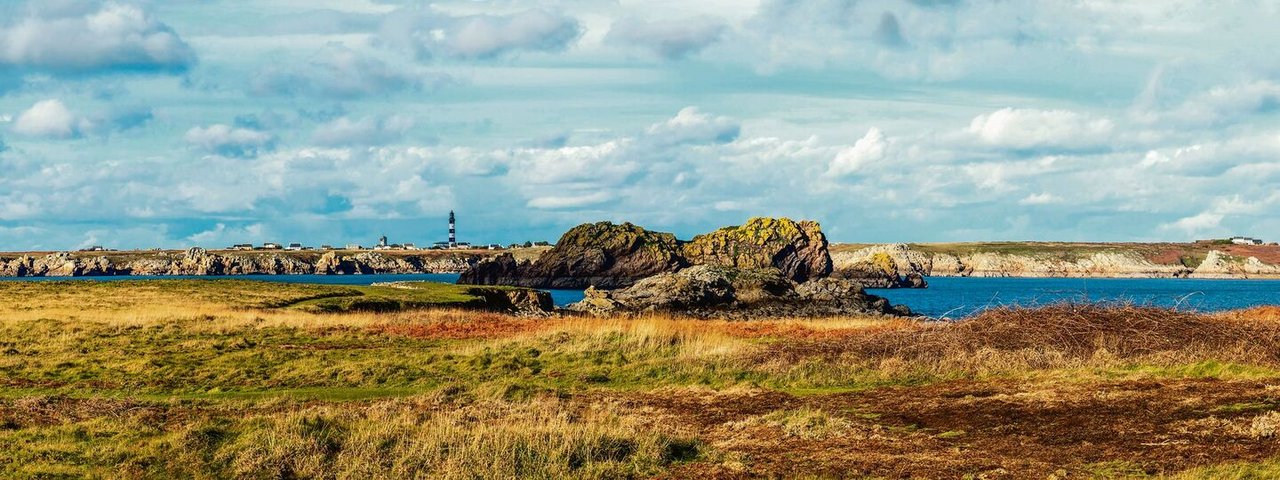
798,249
724,292
503,269
602,254
609,256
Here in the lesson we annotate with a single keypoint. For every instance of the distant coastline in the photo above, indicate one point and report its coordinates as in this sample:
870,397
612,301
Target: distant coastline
990,259
1205,260
200,262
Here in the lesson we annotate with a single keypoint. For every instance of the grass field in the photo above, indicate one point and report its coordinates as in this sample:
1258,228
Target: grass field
234,379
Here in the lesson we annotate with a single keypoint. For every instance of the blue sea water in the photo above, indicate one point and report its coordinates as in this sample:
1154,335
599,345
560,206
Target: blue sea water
952,297
946,297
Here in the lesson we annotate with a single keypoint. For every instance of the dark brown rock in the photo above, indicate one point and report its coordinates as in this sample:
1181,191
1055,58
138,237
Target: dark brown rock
601,254
500,270
721,292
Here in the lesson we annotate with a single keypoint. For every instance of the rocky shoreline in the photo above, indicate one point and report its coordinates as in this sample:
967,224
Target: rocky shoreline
199,262
1116,261
766,267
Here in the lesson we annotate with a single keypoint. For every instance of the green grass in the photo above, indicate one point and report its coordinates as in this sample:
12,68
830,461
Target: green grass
244,379
245,294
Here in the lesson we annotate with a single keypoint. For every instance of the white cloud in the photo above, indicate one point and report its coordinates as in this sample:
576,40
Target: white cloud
867,150
670,39
1043,198
1228,104
691,126
116,36
229,141
431,33
49,118
1197,224
1033,129
365,131
557,202
339,71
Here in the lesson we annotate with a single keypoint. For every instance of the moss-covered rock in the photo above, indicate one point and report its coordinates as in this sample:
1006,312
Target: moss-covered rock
798,249
603,254
611,256
709,291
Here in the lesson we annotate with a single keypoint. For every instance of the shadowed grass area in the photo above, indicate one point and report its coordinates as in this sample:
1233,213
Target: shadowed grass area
253,380
191,295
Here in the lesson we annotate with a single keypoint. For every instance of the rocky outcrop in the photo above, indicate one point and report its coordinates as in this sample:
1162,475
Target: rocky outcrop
605,255
798,249
515,300
503,269
882,266
1221,265
602,254
199,262
708,291
520,301
61,264
610,256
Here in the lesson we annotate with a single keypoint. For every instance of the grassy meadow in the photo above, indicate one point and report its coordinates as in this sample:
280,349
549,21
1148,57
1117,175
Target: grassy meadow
239,379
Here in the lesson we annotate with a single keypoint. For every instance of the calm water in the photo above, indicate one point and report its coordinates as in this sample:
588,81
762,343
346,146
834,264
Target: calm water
958,297
945,297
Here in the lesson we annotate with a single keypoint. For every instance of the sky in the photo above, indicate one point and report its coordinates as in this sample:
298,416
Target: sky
137,124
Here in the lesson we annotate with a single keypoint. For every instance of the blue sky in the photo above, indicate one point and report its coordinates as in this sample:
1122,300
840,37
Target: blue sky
170,124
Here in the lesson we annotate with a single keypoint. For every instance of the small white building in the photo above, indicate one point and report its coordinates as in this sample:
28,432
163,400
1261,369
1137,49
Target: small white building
1246,241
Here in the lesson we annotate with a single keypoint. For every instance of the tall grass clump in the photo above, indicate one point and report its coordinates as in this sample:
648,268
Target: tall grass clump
542,438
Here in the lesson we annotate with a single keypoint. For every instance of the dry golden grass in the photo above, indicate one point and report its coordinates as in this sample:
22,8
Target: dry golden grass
189,383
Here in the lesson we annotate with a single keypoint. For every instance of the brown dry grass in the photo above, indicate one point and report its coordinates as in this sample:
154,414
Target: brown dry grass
1058,336
1009,393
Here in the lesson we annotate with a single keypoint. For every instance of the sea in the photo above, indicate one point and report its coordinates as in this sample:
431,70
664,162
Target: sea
946,297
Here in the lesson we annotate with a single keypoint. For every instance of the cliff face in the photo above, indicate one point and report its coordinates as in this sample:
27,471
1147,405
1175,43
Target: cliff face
882,266
1116,262
197,261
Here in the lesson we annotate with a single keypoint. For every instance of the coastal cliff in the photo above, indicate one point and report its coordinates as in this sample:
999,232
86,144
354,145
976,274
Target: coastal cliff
199,262
1069,260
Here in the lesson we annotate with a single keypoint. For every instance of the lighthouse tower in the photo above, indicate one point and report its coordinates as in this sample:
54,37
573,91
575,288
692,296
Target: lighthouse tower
453,232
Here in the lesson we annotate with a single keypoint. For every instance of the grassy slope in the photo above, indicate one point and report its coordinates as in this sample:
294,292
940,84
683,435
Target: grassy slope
229,378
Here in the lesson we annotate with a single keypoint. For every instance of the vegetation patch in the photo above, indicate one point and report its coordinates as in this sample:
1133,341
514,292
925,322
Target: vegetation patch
236,379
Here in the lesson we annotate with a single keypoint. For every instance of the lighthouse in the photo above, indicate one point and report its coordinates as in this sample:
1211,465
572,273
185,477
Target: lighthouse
453,232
